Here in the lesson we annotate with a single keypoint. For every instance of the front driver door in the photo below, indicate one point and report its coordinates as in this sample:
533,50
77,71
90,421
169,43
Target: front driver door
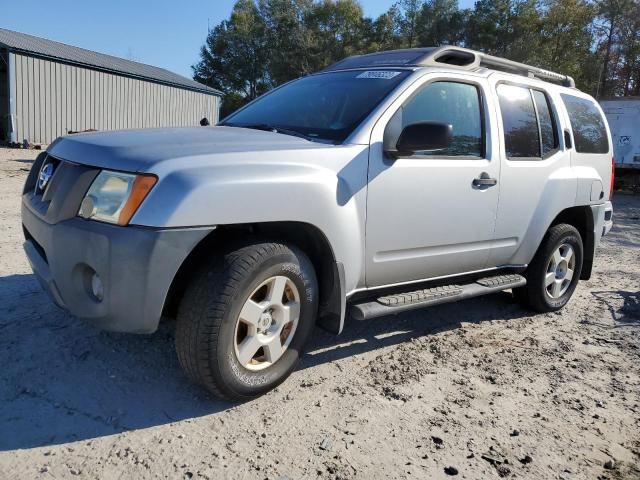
426,217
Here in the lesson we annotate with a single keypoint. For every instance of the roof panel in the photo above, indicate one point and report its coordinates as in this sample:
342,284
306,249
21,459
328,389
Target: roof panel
390,58
21,42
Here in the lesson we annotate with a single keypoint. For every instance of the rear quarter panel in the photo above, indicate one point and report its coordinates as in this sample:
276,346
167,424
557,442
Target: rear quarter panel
593,170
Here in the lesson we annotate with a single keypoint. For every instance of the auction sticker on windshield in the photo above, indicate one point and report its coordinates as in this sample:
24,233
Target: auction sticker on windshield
380,74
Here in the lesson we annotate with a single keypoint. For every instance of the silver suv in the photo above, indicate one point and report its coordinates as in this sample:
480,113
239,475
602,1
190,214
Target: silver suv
387,182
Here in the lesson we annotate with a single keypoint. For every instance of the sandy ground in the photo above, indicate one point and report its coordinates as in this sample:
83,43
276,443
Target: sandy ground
481,387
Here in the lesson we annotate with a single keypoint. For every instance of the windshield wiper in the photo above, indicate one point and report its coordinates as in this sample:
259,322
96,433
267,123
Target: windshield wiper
271,128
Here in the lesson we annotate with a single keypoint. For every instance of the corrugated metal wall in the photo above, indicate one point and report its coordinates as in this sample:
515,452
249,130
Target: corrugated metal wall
4,95
53,98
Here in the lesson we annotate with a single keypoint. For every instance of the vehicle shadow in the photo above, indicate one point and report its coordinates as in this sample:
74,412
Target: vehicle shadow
64,381
361,337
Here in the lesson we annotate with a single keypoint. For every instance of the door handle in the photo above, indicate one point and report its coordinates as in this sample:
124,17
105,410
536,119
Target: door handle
567,138
484,180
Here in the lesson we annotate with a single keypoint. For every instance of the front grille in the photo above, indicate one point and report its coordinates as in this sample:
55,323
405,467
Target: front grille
60,196
30,184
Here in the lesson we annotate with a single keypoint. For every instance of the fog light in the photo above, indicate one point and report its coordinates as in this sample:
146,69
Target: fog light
96,287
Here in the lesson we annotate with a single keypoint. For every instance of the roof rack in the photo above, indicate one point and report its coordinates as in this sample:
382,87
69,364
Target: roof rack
453,56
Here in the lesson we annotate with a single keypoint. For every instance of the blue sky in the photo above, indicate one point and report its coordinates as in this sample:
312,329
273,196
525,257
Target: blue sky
165,33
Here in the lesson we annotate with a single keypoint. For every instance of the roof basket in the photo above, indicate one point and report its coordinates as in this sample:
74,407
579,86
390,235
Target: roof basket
453,56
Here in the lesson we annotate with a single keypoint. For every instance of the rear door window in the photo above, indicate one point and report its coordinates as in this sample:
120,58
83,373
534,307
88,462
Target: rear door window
521,137
530,130
589,132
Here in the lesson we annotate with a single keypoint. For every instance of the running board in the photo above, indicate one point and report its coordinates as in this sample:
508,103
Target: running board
402,302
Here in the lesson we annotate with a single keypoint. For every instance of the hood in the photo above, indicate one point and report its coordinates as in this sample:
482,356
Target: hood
139,150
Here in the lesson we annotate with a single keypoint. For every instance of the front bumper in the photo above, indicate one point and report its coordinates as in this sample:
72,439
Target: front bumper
136,266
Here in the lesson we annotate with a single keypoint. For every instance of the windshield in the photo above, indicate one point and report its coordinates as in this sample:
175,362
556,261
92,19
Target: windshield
325,107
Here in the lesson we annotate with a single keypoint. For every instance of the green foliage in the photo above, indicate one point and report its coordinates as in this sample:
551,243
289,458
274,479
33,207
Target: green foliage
236,52
627,69
507,28
566,39
613,19
232,102
265,43
441,22
336,28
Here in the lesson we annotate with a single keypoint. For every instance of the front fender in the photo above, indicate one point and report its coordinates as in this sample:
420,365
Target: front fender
327,191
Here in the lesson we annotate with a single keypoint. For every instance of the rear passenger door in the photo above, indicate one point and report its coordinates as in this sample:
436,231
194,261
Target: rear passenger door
535,167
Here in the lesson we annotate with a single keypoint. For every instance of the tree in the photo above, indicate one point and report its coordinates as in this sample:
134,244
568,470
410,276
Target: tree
407,17
235,54
508,28
611,14
265,43
336,30
287,38
382,33
440,22
629,79
566,39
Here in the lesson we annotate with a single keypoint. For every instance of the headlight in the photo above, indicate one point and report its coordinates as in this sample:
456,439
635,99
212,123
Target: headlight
114,197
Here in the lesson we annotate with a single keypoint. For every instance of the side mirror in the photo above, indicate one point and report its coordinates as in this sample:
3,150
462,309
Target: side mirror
422,136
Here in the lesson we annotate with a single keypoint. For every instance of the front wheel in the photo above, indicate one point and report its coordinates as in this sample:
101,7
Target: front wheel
245,318
554,272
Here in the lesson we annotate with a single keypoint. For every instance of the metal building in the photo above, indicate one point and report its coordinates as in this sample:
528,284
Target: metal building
48,89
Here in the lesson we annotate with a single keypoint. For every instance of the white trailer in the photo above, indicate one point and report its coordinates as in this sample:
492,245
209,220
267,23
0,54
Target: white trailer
623,115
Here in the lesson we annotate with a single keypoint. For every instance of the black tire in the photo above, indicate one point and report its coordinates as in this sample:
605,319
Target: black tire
534,295
208,312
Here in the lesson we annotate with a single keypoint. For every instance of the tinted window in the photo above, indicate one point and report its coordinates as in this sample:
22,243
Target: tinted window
327,106
589,132
521,138
547,129
457,104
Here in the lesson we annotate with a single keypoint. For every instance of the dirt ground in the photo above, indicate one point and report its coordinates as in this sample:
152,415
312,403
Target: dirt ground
482,387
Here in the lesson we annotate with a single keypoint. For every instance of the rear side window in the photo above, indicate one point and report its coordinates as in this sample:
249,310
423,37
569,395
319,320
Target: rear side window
589,132
529,126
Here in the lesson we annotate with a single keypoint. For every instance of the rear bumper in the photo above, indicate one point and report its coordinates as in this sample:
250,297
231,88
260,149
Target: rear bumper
602,222
608,218
136,266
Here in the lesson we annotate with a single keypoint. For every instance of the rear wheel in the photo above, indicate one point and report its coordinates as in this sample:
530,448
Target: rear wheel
554,272
245,318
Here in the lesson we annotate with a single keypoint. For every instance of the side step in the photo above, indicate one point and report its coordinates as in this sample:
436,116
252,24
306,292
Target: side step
401,302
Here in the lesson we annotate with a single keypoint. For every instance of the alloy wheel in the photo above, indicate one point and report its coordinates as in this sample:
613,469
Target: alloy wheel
267,323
